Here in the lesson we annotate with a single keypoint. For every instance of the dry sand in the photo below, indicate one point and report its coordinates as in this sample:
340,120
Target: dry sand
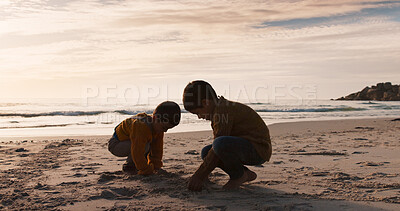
320,165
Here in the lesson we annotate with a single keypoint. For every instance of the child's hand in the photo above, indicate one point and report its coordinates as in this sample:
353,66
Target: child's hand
195,183
160,171
131,171
147,171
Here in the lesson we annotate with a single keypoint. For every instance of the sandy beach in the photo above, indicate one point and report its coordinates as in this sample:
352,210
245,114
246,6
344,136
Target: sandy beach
317,165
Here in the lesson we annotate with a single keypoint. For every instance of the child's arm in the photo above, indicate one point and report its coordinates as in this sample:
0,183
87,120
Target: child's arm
156,151
138,145
222,124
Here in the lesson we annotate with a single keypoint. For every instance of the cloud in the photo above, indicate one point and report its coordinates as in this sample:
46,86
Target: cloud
16,40
390,13
179,40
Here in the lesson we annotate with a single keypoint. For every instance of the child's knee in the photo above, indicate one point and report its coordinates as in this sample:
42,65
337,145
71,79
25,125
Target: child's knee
111,145
219,144
112,150
205,151
117,148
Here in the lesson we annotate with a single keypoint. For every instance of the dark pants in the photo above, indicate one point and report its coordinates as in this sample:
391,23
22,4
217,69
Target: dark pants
123,149
234,152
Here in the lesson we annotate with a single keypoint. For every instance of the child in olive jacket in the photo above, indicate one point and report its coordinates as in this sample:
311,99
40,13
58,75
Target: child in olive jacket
241,137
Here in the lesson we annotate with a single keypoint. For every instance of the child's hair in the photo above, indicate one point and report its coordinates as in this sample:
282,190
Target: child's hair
195,92
168,112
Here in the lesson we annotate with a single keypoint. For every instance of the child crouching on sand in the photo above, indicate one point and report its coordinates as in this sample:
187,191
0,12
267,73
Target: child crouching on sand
140,138
240,136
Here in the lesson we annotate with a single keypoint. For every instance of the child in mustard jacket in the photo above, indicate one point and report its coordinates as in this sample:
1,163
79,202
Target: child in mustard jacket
140,138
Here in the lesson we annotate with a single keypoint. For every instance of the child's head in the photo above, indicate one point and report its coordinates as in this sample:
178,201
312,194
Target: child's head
200,98
166,115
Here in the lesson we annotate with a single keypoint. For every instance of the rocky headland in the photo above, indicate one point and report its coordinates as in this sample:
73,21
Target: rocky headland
380,92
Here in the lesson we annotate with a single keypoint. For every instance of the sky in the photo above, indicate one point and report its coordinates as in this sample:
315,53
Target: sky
256,49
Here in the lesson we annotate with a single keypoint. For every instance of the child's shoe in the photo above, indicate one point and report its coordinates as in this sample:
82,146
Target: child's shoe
129,168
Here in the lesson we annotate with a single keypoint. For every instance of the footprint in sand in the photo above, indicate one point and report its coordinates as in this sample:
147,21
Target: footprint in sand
364,128
78,175
21,150
119,193
320,173
368,163
191,152
76,169
108,176
341,176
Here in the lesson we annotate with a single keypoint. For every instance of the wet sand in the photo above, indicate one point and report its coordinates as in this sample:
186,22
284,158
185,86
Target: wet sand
329,165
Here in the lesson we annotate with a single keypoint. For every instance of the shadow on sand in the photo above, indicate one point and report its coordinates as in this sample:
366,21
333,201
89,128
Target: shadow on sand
168,191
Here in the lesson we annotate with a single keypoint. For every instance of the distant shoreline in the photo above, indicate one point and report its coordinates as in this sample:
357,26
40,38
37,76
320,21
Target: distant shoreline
294,123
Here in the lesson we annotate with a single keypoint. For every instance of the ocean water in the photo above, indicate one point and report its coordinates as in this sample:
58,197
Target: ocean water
59,117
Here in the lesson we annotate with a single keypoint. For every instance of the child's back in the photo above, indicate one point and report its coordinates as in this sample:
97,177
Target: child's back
236,119
139,122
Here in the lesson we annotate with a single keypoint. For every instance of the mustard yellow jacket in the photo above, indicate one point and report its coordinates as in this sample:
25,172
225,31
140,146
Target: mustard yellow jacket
139,133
